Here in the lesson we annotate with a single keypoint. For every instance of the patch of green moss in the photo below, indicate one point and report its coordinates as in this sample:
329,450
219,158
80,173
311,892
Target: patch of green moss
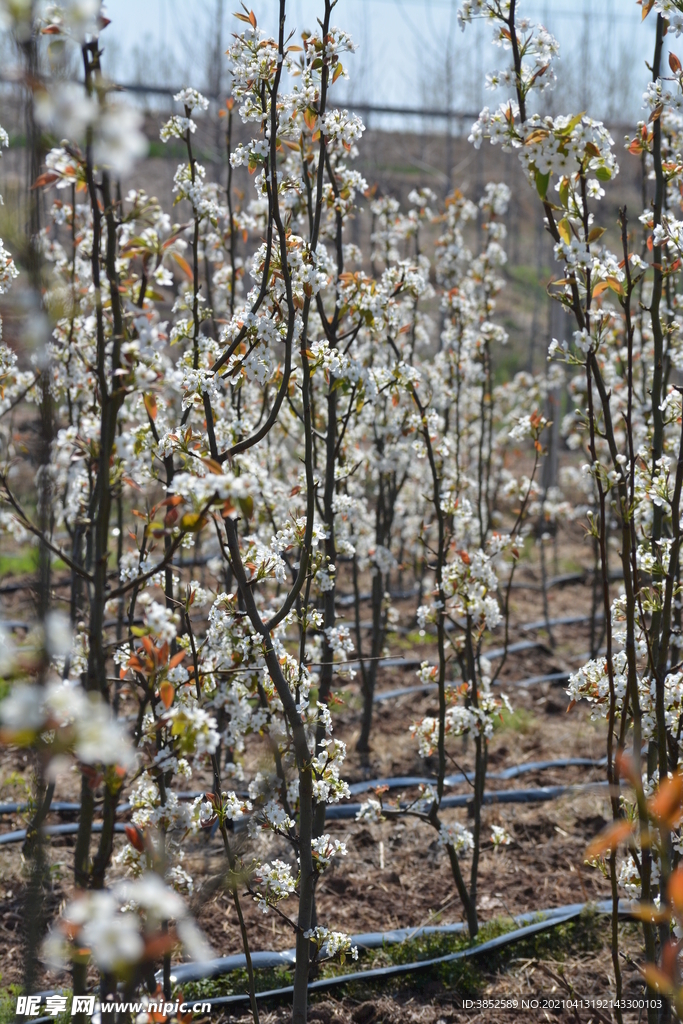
19,564
8,1006
24,562
463,976
521,721
8,1003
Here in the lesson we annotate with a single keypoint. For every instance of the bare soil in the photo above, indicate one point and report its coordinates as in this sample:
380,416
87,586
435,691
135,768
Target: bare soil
394,874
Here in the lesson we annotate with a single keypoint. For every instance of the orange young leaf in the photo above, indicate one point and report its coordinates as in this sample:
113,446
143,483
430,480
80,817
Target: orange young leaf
610,837
183,264
150,405
650,912
177,658
669,956
45,179
167,693
657,979
625,766
135,837
159,945
665,803
214,466
674,63
676,889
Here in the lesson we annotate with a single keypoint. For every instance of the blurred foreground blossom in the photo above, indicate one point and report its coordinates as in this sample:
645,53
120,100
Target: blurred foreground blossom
117,137
117,929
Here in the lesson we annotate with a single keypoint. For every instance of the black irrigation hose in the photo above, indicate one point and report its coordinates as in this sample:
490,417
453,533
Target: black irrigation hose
549,677
198,971
524,627
501,796
344,600
497,652
395,782
54,830
58,807
346,811
183,973
67,808
559,916
564,579
563,620
402,781
403,691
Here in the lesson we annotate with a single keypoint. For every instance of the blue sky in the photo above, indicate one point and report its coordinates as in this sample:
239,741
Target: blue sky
404,48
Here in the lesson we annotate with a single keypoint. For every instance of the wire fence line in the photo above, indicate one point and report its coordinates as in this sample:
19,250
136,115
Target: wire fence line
456,117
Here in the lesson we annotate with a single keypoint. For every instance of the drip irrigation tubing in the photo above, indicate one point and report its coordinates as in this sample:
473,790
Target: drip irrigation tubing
396,782
564,579
496,652
337,812
182,973
54,830
403,781
69,808
563,620
551,919
403,691
523,627
346,600
540,794
538,922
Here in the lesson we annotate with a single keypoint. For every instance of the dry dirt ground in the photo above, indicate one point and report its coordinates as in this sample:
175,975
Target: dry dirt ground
396,876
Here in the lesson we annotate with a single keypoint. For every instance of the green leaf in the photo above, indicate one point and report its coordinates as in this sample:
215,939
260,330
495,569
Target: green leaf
247,505
565,230
568,129
542,182
603,174
192,522
564,192
595,233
